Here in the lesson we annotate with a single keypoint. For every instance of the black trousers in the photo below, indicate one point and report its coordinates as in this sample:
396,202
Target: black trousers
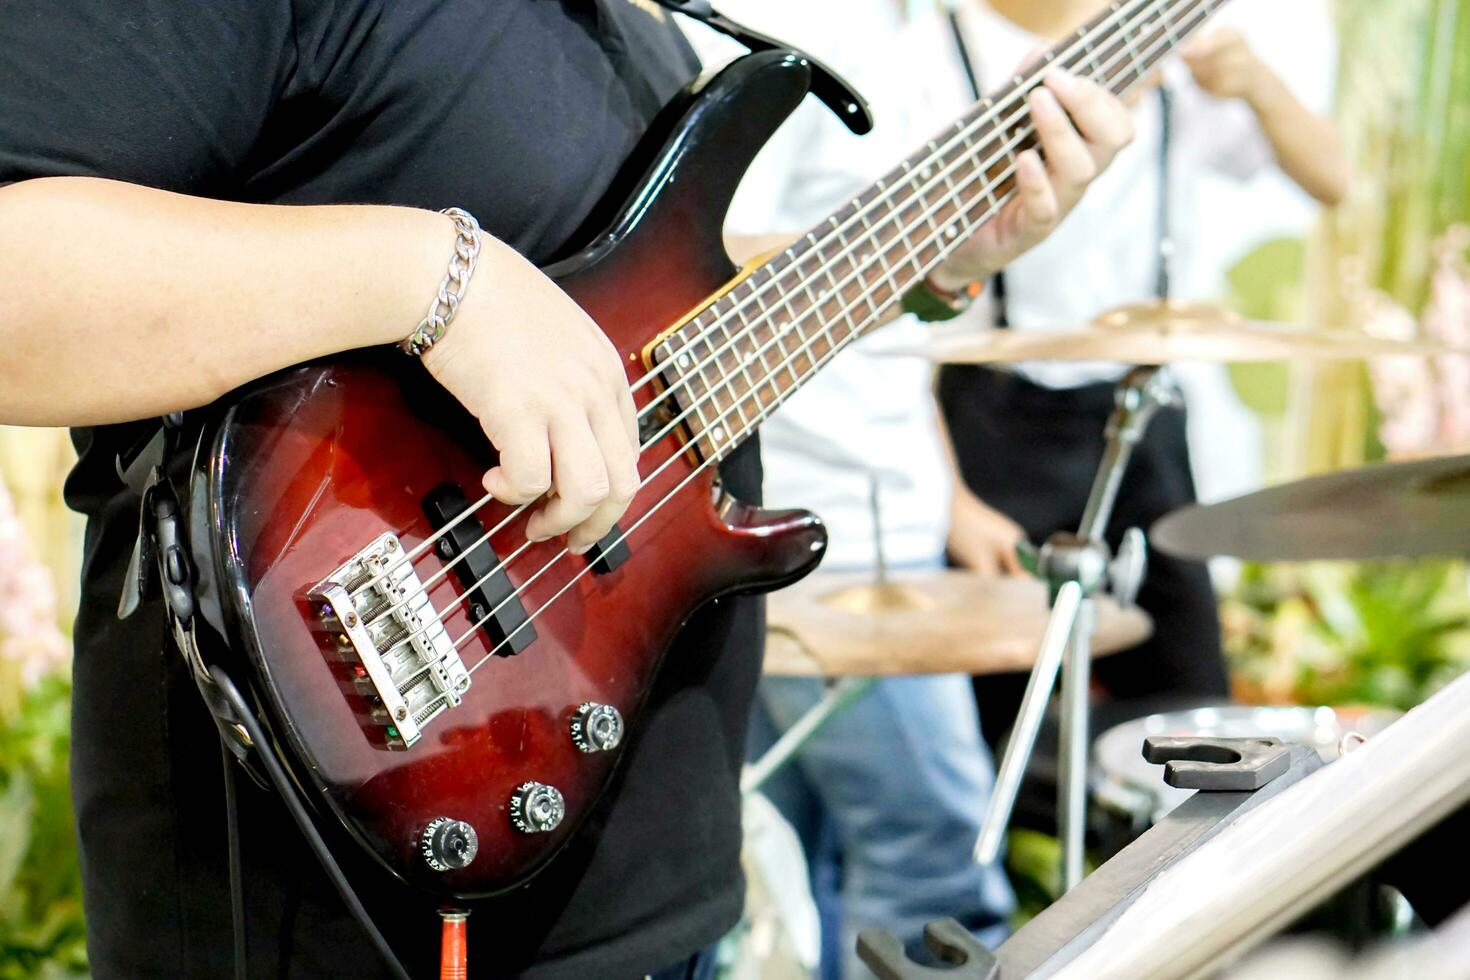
1031,452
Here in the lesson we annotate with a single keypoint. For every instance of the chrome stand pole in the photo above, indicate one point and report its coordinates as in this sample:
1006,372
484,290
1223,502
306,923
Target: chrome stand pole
1072,775
1075,566
838,696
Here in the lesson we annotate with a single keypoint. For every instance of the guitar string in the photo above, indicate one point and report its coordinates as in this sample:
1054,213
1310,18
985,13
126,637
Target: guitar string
1084,40
1207,5
754,391
711,393
765,316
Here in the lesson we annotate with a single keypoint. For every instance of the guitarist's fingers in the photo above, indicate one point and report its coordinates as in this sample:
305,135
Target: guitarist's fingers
1036,208
524,471
579,478
622,472
1100,117
1068,158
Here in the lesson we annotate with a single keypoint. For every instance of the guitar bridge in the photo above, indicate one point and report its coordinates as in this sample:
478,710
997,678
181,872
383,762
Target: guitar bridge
401,659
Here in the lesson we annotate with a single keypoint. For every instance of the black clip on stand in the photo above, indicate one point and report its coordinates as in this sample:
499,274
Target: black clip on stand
1075,567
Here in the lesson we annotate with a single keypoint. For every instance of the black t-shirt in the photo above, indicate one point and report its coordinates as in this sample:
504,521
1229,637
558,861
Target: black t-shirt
522,112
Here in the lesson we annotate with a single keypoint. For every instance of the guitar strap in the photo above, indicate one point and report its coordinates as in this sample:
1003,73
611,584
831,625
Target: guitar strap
161,550
835,91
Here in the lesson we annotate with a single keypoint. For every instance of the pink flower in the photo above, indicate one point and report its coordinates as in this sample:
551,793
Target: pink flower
1404,387
1447,319
29,635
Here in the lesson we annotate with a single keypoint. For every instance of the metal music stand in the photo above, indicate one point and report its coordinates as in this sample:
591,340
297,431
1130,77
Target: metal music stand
1075,567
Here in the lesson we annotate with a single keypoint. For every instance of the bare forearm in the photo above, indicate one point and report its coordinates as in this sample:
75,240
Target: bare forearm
1306,145
120,302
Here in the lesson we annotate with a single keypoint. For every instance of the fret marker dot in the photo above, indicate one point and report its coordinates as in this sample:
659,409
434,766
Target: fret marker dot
718,432
950,231
682,360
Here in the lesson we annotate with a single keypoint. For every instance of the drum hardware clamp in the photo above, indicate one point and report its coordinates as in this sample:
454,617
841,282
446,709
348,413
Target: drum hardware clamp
1229,765
950,942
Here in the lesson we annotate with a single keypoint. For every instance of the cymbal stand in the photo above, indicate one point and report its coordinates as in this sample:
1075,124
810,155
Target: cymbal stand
1075,567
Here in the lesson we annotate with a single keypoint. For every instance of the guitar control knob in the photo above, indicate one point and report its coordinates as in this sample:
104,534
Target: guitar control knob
597,727
536,808
448,844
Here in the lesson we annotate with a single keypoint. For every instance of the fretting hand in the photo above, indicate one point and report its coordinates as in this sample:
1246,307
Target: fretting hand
1081,127
1224,65
548,388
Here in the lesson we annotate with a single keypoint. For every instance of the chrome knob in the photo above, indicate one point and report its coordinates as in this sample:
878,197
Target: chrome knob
448,844
596,727
536,808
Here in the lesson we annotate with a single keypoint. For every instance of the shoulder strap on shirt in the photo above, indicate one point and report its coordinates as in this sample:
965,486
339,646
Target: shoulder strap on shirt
834,90
1163,231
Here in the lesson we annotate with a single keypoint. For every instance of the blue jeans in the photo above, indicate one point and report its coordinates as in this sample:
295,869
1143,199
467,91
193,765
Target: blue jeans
887,800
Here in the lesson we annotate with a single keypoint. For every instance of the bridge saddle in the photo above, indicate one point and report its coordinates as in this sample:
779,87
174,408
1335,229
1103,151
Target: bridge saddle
383,628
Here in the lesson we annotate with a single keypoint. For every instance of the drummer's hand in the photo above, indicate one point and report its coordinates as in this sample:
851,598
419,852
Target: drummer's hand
983,539
1081,127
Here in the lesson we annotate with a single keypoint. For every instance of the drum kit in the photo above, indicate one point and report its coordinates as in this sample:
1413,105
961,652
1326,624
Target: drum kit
851,630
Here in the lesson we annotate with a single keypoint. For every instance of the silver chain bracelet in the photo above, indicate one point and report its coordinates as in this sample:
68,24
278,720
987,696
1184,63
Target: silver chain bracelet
446,302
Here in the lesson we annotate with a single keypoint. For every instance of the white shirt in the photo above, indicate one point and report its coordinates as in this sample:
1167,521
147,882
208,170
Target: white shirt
1225,198
869,416
865,417
1105,253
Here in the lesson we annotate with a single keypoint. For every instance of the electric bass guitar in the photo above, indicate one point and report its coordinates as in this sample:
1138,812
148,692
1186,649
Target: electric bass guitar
454,697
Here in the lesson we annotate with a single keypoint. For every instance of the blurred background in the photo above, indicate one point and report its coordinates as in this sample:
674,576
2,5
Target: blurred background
1392,261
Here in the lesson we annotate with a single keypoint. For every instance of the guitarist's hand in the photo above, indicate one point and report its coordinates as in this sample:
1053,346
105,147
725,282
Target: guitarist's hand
1081,127
549,389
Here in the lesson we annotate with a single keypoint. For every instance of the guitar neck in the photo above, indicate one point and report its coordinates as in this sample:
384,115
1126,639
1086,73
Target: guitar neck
745,353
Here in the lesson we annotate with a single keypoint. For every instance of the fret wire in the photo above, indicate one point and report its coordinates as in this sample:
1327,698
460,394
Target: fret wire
1103,21
730,375
1207,6
879,248
855,274
1128,31
903,230
961,218
747,358
782,329
853,256
760,349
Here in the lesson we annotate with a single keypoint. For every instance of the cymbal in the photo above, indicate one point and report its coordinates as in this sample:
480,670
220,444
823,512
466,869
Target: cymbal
1418,509
834,624
1162,332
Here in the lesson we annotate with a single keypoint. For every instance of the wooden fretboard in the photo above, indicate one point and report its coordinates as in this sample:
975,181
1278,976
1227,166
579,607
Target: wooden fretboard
744,354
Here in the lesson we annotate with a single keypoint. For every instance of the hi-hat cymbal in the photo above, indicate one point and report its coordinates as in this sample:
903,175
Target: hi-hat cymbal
1419,509
842,624
1162,332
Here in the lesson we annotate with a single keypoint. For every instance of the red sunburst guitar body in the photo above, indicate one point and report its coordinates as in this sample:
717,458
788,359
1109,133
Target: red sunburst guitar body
305,470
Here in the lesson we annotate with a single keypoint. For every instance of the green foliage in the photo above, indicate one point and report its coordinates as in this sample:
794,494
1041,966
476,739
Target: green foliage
42,934
1034,867
1266,285
1388,633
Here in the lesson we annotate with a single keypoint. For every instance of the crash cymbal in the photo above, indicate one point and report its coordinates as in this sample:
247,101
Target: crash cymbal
1161,332
1394,510
841,624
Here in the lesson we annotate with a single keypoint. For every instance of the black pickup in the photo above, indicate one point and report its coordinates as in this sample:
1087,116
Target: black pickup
490,595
